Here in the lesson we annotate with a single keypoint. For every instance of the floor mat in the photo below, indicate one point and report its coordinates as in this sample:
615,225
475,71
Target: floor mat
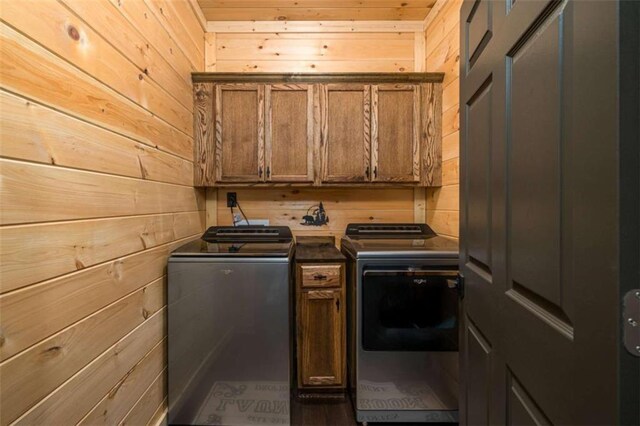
246,403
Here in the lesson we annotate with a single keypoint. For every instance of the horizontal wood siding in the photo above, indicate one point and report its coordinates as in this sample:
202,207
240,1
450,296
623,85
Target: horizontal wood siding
288,206
443,55
311,52
96,188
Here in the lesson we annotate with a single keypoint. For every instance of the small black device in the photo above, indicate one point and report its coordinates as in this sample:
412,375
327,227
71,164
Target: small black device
317,218
232,199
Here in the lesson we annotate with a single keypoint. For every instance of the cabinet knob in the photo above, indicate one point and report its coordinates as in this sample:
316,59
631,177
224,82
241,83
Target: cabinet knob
268,172
319,277
260,171
375,171
366,172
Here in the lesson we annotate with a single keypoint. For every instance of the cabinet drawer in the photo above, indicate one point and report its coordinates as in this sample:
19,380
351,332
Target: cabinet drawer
321,275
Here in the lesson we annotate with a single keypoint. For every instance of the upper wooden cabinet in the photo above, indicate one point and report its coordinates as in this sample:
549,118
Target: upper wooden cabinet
318,129
346,132
395,133
239,132
289,132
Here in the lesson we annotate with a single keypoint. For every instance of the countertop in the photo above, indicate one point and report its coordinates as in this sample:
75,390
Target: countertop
317,250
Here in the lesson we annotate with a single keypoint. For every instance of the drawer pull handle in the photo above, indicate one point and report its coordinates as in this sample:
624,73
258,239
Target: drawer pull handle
319,277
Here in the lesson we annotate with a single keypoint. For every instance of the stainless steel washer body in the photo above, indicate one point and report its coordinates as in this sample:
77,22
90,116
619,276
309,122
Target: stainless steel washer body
229,333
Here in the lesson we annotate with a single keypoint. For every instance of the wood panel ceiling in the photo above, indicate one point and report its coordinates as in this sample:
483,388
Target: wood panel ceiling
316,10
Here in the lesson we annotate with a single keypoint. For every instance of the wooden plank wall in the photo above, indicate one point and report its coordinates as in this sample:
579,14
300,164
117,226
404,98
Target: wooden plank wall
443,55
320,51
96,188
286,206
311,52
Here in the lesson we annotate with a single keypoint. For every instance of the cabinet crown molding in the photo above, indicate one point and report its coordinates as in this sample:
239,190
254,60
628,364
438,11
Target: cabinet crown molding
368,78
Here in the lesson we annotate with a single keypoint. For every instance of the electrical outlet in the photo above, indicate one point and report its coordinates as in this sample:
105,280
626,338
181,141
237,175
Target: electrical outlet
232,199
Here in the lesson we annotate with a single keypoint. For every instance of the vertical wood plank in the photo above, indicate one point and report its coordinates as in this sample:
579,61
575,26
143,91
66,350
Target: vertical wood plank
319,93
311,125
212,207
204,144
419,205
218,132
324,135
261,130
210,57
432,134
268,133
417,102
419,52
367,128
373,132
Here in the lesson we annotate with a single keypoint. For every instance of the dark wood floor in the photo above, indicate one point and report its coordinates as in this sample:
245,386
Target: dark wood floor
331,412
322,412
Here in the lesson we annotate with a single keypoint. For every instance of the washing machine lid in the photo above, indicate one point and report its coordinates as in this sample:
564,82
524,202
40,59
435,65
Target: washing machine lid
397,240
435,246
395,231
240,241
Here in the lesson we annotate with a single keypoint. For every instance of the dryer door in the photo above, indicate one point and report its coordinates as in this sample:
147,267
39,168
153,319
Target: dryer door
408,309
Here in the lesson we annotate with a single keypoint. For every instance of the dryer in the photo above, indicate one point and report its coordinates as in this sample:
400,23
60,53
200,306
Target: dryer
403,293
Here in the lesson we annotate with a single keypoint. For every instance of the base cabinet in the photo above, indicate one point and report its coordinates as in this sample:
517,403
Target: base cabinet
321,326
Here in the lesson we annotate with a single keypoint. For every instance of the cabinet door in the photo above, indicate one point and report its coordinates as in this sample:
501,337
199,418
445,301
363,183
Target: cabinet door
239,133
395,137
346,115
321,340
289,133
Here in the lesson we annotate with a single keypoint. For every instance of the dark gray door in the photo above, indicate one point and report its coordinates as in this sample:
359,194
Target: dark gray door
540,229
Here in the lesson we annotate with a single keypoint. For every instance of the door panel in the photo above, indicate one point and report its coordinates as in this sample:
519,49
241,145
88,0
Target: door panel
321,349
395,126
289,133
239,132
478,360
478,28
535,84
346,131
539,217
478,114
521,409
